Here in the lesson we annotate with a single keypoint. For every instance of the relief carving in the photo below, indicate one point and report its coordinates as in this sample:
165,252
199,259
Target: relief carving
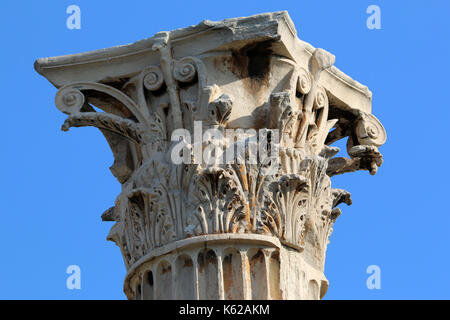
286,92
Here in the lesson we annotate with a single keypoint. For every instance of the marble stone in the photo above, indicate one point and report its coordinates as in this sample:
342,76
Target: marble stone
222,231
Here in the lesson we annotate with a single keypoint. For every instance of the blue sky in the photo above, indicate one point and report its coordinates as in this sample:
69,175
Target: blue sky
56,185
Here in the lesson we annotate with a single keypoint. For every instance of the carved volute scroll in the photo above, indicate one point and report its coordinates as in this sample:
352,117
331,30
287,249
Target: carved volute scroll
256,74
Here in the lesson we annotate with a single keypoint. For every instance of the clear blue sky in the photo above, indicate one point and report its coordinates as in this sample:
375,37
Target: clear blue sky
55,185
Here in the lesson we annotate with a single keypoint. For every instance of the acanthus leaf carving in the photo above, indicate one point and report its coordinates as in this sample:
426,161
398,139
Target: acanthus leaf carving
163,202
244,74
217,202
126,128
219,110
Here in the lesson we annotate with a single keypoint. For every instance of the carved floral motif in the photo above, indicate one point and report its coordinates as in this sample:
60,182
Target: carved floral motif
163,202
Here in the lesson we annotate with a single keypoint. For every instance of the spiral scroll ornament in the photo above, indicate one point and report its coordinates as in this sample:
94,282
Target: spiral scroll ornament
153,78
304,83
370,131
69,100
184,70
321,99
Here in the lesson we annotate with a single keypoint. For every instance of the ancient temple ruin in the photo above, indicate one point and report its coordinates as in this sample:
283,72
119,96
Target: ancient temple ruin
223,230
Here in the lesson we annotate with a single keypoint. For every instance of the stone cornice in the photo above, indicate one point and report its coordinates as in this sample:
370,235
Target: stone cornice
132,58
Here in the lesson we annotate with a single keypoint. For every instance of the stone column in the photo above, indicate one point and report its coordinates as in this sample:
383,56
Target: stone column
236,230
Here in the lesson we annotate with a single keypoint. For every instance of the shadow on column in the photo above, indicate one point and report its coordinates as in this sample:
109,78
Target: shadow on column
147,289
274,276
233,278
164,281
184,269
258,275
208,281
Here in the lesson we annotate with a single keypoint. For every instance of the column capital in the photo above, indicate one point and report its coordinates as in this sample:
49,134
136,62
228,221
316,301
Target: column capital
250,74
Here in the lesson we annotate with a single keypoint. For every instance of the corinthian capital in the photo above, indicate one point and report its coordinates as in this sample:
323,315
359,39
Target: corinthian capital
236,229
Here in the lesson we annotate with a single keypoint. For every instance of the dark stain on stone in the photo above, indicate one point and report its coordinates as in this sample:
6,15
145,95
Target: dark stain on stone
188,263
253,61
223,64
166,269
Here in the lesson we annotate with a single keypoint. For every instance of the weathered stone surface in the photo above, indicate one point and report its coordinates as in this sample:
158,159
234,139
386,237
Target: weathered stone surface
222,231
